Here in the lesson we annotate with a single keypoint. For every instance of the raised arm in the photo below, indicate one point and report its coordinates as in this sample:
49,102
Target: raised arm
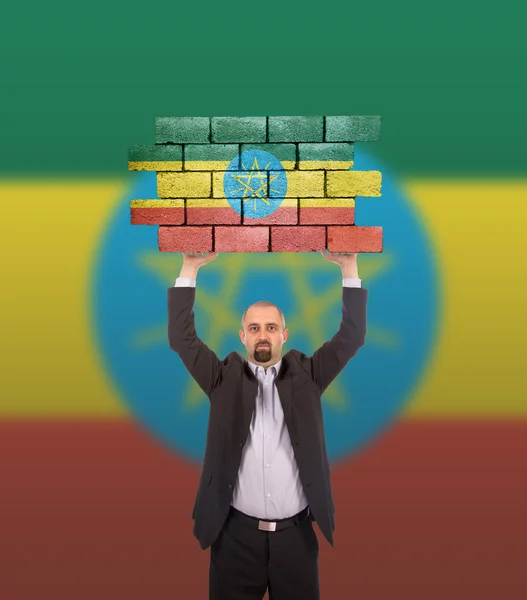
329,360
201,362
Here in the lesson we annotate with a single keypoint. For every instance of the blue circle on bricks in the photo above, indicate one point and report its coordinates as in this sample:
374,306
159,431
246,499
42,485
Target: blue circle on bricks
130,278
256,180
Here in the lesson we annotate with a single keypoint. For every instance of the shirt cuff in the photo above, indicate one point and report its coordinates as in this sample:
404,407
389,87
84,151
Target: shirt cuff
185,282
352,282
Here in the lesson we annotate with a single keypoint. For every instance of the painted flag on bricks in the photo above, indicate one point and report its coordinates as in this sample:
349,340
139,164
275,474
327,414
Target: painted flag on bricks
258,184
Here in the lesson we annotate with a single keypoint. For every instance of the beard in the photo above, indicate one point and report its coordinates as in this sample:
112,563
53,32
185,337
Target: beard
262,355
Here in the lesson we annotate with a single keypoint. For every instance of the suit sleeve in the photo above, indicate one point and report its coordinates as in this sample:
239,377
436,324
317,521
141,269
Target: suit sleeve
329,360
201,362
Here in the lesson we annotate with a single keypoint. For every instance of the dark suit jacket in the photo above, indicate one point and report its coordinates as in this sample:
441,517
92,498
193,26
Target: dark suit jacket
232,388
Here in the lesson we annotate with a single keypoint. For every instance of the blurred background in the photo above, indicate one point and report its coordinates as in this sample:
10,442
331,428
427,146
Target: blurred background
101,430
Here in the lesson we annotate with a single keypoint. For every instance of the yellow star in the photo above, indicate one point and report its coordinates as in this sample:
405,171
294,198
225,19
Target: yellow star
257,173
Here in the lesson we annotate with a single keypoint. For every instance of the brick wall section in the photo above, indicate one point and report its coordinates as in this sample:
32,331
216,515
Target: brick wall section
194,157
172,238
298,239
361,239
241,239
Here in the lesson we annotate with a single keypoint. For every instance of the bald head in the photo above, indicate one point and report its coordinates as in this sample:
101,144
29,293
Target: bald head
263,303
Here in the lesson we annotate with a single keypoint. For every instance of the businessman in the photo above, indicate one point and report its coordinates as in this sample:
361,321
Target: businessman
266,474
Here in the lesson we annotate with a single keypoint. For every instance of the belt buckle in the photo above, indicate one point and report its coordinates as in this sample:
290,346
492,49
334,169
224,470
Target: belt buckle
267,525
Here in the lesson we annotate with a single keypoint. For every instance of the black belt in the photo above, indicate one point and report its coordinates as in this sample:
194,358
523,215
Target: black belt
267,525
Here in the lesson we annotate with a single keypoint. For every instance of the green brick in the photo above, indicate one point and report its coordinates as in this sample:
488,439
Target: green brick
353,129
182,130
211,157
238,129
285,153
325,152
153,153
296,129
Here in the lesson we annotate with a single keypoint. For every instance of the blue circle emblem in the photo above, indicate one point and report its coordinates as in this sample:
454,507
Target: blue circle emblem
129,304
256,183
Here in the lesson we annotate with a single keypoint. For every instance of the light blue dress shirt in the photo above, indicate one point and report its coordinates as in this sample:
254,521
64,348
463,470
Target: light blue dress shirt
268,484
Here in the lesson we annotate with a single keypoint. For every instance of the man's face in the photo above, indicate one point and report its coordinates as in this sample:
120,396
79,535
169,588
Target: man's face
263,335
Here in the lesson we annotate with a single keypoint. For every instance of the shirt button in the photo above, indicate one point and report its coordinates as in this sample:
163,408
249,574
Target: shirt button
267,436
268,495
268,466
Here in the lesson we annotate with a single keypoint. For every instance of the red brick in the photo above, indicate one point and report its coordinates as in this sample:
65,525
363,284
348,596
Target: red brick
184,239
281,216
212,216
298,239
157,216
354,239
327,216
241,239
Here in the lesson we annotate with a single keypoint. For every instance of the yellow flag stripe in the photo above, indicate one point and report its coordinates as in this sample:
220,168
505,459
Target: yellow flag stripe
476,370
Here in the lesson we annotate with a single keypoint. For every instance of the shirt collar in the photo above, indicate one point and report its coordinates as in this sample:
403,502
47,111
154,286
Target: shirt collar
275,366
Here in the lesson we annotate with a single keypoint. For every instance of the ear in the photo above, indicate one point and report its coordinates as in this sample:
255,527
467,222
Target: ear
242,336
285,334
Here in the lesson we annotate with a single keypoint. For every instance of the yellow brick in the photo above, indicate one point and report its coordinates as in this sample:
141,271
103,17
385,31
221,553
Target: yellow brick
353,183
305,184
155,165
329,165
157,203
217,184
186,185
327,203
206,165
207,203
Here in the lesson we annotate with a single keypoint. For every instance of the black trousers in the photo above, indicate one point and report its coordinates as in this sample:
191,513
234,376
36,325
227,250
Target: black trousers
246,561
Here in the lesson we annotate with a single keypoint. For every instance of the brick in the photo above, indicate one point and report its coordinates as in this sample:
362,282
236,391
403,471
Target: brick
217,184
241,239
366,128
213,212
238,129
302,184
157,212
211,157
325,156
285,153
345,184
150,157
182,130
296,129
286,214
338,211
184,185
184,238
354,239
298,239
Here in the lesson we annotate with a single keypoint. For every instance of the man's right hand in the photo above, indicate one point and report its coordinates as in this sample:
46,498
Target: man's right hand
192,261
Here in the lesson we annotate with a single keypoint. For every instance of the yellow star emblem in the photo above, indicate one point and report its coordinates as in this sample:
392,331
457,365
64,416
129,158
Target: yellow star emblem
262,180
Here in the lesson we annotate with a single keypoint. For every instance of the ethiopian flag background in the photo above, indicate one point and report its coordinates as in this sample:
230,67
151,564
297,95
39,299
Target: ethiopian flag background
101,430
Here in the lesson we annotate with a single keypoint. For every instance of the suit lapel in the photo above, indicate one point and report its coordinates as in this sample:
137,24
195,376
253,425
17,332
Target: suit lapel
249,392
284,386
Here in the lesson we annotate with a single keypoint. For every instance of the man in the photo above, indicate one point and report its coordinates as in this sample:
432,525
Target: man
266,474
